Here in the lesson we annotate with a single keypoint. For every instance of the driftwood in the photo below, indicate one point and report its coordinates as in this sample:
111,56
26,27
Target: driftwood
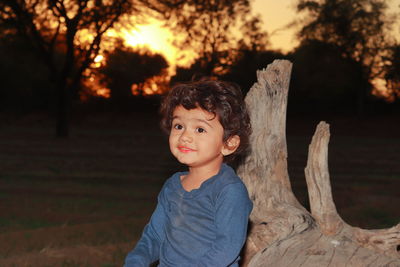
283,232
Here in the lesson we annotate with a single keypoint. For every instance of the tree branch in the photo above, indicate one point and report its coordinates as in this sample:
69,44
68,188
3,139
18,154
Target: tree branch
322,205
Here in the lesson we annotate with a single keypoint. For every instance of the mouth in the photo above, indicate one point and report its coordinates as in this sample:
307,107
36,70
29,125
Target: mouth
185,149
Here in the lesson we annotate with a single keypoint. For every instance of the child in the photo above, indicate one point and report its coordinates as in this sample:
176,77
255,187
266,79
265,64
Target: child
202,214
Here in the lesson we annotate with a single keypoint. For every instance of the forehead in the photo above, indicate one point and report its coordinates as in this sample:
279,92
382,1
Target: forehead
196,114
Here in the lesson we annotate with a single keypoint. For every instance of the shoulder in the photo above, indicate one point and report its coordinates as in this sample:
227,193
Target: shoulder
174,180
171,184
171,180
227,176
229,182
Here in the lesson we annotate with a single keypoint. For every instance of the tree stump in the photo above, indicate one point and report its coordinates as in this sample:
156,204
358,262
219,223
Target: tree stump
283,232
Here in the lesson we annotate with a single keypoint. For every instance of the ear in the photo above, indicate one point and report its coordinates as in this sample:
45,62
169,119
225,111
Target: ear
230,145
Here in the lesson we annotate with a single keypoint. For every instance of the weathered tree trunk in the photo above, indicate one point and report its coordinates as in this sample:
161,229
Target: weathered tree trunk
283,232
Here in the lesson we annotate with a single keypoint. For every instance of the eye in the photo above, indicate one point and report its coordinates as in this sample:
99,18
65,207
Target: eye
200,130
178,126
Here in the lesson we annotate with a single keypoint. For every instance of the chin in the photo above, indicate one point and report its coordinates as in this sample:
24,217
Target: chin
187,163
183,161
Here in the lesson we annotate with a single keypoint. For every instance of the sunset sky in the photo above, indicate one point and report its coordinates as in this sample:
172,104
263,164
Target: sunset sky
276,15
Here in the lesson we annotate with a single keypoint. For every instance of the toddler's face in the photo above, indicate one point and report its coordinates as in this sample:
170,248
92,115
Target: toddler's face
196,137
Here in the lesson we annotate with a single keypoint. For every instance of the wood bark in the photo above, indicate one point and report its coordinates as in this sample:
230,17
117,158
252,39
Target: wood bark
283,232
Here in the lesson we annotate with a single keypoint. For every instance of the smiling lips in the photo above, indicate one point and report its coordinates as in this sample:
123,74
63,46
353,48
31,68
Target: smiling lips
185,149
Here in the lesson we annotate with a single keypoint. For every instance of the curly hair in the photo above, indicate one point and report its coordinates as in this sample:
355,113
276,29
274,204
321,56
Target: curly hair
223,99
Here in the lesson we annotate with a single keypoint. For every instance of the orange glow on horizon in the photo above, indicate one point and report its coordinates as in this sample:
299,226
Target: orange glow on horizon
158,39
277,16
154,37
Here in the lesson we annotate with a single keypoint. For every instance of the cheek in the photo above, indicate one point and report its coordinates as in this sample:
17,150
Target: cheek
211,143
172,139
218,144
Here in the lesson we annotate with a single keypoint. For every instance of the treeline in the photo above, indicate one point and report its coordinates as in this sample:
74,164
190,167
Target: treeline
48,51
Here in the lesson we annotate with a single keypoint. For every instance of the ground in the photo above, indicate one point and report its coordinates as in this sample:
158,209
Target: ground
83,201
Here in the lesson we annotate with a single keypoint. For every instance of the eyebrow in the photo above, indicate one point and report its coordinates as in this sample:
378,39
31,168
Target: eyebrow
204,121
200,120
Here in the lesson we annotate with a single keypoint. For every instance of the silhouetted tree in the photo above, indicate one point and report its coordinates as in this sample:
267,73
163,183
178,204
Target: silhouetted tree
214,30
72,27
24,84
359,30
322,79
253,37
76,28
127,66
251,56
244,69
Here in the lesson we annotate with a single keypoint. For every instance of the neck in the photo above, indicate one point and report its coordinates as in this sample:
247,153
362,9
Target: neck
199,174
202,173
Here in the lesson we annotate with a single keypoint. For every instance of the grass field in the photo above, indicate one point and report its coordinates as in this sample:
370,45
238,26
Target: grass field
84,201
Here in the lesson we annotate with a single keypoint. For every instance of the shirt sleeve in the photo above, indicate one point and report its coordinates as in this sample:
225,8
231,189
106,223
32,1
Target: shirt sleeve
233,208
147,249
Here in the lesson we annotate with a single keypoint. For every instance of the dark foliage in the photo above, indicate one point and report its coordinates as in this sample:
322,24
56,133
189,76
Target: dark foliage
359,29
24,83
54,28
126,66
215,31
322,80
244,70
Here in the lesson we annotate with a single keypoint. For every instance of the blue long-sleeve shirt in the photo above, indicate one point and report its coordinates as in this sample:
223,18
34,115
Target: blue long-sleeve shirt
203,227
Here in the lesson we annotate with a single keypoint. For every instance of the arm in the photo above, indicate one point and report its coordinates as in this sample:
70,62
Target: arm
233,208
147,249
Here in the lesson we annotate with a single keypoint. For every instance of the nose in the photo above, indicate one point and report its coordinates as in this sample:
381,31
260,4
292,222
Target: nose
186,137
